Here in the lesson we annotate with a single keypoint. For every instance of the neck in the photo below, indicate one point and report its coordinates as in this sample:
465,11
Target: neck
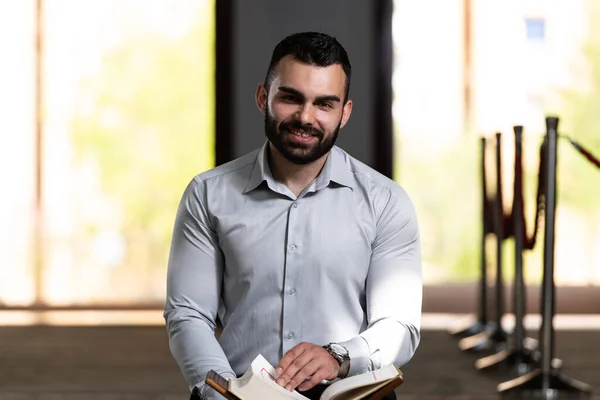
296,177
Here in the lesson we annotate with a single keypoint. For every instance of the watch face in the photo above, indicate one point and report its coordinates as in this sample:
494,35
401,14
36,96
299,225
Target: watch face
341,350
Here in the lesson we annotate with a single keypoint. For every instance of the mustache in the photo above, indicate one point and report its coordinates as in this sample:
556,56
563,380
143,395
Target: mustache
295,125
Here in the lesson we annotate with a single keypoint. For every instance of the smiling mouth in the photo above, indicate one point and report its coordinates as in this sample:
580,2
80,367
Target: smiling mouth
300,133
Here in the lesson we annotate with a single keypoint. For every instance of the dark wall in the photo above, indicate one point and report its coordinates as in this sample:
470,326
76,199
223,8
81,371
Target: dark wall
257,27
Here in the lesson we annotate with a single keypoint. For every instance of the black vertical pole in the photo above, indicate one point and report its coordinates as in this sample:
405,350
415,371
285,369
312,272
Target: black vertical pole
483,312
519,232
493,337
383,65
547,334
481,323
224,78
499,233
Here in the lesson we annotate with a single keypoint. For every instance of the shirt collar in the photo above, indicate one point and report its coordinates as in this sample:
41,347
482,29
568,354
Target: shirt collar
335,170
261,171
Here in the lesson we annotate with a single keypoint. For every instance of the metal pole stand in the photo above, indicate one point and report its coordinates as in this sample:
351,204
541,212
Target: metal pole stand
547,382
520,356
481,323
494,338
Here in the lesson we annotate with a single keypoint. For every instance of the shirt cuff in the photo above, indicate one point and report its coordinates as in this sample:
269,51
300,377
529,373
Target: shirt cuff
208,393
358,350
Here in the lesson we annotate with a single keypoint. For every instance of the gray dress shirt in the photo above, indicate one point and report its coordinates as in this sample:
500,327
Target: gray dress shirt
341,263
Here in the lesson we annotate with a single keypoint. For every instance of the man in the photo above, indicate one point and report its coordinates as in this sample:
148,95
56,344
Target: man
304,254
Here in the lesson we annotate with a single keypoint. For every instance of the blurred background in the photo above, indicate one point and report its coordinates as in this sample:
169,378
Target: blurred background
99,145
108,108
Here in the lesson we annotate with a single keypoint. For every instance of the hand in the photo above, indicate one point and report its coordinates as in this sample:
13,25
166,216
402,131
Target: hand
306,360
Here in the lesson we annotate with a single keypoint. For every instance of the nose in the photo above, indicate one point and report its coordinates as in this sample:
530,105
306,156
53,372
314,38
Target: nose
306,115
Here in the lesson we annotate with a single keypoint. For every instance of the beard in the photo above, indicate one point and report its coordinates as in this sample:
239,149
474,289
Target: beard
299,153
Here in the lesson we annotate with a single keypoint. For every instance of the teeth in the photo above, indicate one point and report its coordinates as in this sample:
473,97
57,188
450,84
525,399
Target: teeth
301,134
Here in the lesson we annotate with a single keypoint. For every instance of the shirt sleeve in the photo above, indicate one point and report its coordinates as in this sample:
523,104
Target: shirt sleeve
194,276
394,290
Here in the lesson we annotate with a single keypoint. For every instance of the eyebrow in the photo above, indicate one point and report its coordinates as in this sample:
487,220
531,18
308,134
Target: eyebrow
290,90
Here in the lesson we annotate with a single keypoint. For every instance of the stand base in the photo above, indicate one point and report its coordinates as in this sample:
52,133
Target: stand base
492,339
515,361
536,385
468,329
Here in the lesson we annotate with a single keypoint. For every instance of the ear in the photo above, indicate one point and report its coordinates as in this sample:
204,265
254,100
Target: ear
261,98
346,111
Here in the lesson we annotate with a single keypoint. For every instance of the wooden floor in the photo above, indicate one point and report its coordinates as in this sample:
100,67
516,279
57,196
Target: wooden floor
126,363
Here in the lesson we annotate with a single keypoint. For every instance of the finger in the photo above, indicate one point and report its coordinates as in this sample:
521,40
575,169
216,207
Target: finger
289,357
328,369
293,368
315,379
310,369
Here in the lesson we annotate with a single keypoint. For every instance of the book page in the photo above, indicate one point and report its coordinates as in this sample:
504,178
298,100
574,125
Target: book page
371,378
258,382
360,392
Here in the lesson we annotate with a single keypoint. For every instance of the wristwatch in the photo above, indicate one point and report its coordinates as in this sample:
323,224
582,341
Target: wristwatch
341,355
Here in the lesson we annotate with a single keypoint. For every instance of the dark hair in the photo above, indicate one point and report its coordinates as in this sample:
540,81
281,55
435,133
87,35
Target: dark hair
313,48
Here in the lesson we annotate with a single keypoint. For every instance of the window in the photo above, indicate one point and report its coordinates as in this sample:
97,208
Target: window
437,153
128,121
535,29
17,155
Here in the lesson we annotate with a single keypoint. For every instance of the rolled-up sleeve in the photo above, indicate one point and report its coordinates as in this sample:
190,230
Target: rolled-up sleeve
394,290
194,277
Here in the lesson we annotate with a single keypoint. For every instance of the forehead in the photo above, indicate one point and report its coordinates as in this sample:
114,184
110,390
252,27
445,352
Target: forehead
309,79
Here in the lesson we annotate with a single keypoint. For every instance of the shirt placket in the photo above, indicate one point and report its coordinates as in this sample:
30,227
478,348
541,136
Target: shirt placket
291,331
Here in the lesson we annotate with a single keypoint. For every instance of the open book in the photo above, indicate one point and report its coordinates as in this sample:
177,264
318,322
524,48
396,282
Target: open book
258,382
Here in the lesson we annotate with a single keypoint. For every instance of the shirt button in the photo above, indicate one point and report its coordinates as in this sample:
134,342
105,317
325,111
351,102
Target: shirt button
290,335
292,247
295,205
292,291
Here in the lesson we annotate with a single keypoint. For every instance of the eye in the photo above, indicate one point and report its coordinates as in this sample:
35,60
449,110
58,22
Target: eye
289,97
326,104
